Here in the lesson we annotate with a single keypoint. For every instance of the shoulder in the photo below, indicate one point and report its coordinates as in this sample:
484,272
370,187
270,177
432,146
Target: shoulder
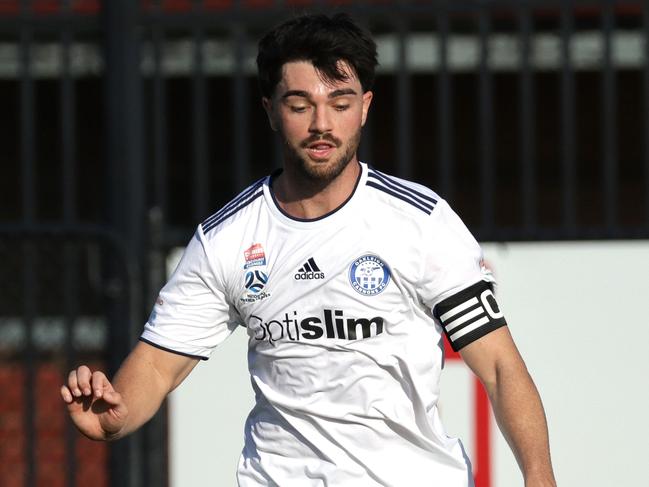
422,207
402,195
234,209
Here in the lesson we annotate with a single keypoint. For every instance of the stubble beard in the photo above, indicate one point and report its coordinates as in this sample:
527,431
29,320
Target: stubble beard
321,173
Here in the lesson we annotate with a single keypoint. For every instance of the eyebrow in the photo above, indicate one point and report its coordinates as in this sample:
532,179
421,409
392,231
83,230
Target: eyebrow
333,94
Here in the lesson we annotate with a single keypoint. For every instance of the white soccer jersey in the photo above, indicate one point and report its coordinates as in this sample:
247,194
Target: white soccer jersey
344,316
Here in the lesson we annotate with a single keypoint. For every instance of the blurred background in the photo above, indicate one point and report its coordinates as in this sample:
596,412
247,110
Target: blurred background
124,123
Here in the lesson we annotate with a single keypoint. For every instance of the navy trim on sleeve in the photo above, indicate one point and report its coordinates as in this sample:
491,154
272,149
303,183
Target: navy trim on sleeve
172,351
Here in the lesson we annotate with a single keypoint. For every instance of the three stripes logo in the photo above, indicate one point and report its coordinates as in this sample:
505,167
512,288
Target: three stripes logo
469,315
309,271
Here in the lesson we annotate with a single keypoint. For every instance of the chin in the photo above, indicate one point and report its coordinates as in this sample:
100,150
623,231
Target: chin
324,171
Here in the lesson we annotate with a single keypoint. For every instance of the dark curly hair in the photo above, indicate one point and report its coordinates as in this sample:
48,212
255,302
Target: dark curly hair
322,40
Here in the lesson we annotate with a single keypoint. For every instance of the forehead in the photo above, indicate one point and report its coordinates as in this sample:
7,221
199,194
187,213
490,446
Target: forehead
303,76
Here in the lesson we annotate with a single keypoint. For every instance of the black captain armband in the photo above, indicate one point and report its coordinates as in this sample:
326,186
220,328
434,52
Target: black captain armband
469,315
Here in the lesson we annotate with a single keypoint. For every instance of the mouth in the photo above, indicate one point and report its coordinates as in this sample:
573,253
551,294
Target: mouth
320,150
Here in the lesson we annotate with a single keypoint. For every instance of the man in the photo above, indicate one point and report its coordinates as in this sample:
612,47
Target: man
345,278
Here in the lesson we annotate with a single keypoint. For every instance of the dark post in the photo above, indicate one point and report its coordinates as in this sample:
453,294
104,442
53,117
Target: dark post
403,98
28,187
486,127
240,106
527,117
444,105
609,126
126,200
568,123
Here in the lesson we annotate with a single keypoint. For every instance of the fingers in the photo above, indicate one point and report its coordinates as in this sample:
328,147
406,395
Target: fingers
66,394
79,381
73,383
100,384
83,382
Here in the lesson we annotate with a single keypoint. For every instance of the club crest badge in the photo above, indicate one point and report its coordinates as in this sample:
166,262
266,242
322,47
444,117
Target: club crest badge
369,275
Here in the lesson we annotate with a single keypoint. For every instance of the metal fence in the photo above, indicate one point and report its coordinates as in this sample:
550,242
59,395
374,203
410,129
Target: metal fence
124,124
532,119
64,291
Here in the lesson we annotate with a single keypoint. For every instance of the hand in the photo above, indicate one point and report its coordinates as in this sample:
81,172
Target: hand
96,409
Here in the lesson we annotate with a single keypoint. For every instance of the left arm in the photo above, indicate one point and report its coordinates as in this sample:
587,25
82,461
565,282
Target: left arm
515,400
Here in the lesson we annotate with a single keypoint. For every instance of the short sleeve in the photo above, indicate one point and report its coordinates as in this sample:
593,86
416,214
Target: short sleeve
191,315
456,285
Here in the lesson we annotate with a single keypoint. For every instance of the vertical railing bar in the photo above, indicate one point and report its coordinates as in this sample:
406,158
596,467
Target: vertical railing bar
240,108
154,435
486,118
28,156
646,111
527,114
129,463
278,140
27,122
609,125
199,116
68,139
568,178
367,139
71,296
153,457
403,102
160,159
31,356
277,155
444,106
67,129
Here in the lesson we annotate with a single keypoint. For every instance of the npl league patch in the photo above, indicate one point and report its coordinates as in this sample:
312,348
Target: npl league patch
254,256
369,275
255,282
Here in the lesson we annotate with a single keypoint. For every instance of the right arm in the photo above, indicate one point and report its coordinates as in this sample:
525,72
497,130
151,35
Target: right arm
102,410
192,315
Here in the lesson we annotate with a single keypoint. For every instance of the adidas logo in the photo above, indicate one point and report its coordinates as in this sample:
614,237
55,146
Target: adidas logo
309,271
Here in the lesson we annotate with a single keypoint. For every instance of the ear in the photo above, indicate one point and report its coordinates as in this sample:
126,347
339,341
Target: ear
367,101
270,113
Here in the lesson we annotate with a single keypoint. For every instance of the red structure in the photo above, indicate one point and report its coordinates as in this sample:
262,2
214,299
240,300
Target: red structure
482,424
91,457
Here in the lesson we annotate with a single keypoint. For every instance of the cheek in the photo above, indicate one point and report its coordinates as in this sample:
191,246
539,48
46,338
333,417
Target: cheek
293,129
352,121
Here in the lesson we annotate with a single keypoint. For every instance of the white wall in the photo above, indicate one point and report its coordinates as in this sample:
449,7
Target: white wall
577,313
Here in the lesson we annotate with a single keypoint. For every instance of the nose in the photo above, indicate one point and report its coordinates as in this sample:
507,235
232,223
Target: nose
321,121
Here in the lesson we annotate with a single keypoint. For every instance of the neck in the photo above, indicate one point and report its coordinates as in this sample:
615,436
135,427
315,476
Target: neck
303,198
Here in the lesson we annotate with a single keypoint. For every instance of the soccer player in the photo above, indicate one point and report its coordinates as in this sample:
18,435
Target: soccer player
345,278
